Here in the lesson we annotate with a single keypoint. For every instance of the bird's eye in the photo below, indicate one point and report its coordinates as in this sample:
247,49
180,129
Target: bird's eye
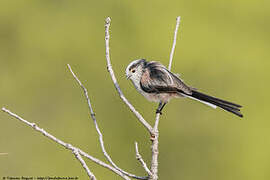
133,71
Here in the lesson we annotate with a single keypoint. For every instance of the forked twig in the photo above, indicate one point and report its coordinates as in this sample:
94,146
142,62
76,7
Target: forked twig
66,145
117,87
80,159
140,159
153,171
101,141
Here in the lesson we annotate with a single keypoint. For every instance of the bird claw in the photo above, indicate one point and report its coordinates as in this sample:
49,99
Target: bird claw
158,111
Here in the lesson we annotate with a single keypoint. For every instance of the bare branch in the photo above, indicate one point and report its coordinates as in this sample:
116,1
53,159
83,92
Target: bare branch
66,145
140,159
84,90
156,122
109,67
174,41
79,157
153,172
154,149
155,133
101,141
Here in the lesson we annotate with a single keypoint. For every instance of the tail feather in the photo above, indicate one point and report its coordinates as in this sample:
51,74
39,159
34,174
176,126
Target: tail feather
202,95
236,112
226,105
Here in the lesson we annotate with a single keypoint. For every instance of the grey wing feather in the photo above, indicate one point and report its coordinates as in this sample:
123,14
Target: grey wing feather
180,84
157,79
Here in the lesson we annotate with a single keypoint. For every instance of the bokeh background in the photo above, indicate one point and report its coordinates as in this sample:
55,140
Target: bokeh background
222,49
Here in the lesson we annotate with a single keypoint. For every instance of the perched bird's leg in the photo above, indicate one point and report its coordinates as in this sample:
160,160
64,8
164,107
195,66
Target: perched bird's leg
160,107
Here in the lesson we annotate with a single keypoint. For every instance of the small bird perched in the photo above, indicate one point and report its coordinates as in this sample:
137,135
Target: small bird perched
156,83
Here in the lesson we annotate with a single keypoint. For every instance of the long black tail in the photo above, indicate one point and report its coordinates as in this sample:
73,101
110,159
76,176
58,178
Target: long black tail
228,106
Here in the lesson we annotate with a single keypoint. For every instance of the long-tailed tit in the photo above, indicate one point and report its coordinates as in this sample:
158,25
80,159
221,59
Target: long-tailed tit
156,83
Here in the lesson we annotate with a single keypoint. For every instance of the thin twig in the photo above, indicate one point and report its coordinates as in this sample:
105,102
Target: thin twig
66,145
101,141
155,133
3,153
79,157
154,149
157,122
174,41
109,67
140,159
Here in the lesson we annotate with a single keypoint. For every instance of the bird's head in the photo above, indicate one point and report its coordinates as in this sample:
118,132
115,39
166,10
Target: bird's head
135,69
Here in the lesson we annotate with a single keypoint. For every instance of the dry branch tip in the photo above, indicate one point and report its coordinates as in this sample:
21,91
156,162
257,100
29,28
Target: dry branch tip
108,20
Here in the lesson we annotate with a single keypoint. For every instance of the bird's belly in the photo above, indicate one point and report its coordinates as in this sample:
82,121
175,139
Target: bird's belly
156,97
163,97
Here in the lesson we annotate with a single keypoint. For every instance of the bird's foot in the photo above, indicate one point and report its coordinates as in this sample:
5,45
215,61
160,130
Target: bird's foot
158,111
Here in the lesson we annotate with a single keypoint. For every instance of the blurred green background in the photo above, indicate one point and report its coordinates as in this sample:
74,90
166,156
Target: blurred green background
222,49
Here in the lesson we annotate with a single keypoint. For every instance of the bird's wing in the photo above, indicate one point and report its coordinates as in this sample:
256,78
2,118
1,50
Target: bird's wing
157,79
